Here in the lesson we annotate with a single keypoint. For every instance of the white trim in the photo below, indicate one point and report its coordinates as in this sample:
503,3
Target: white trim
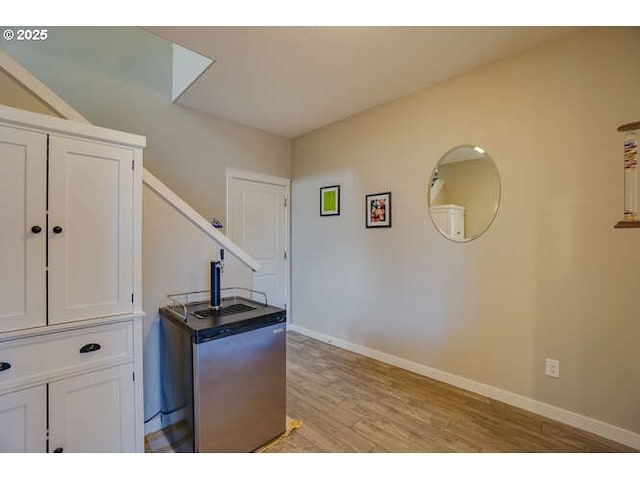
180,205
257,177
29,81
48,124
138,387
137,229
592,425
232,173
62,327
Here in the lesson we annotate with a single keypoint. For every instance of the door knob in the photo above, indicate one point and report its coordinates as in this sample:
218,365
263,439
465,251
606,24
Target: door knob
36,229
57,229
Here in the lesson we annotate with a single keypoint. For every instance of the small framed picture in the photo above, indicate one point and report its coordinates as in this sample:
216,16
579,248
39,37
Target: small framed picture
330,201
378,210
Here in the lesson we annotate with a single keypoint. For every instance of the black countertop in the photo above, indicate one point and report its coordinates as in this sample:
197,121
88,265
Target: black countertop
236,315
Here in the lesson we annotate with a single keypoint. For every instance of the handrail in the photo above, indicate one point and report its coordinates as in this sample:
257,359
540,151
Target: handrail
166,193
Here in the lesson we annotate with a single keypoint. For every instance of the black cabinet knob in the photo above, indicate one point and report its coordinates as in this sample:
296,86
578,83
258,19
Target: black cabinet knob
58,450
4,366
36,229
57,229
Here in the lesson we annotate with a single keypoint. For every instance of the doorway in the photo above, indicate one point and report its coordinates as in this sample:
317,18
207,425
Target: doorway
258,222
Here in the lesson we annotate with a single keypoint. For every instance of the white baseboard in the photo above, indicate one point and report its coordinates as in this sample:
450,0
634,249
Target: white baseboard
597,427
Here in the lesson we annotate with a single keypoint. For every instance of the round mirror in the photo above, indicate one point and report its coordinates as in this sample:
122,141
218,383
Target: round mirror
463,194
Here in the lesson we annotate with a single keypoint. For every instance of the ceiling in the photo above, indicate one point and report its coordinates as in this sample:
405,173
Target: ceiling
291,80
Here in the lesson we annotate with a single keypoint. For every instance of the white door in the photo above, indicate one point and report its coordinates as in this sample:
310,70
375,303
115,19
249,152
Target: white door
23,228
90,230
257,222
93,413
23,421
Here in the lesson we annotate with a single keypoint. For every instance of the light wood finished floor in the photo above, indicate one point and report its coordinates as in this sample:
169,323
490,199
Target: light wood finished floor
351,403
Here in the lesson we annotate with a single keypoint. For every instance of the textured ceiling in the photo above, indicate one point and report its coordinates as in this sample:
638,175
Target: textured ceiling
291,80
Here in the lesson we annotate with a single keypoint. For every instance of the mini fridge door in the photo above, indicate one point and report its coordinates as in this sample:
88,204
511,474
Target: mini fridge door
240,390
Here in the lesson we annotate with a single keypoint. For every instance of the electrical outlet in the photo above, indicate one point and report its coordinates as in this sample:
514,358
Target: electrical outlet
552,368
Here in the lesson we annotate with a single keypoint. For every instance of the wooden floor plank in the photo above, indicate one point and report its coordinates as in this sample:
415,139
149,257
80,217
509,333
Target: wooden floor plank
351,403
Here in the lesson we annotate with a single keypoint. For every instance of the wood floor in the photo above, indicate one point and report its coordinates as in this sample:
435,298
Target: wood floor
351,403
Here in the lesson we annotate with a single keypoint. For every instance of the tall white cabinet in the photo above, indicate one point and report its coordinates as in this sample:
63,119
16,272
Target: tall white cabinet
70,286
450,220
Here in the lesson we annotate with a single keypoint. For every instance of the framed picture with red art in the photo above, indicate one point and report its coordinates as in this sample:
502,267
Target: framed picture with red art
378,210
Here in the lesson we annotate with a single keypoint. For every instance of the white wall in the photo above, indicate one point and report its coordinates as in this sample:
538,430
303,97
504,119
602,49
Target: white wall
550,278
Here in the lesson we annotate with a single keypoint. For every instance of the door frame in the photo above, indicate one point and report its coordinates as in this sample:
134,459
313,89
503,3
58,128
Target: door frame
231,174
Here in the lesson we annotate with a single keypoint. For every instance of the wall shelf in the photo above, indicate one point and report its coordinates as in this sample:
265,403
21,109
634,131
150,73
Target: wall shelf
630,159
627,224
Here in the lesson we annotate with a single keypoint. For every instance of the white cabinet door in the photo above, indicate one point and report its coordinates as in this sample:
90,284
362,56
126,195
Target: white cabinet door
90,230
23,421
23,205
456,222
94,412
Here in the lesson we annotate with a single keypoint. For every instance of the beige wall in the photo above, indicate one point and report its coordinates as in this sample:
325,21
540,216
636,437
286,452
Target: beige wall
13,94
550,278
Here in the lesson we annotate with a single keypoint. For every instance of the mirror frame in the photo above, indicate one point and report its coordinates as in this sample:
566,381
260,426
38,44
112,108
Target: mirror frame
499,196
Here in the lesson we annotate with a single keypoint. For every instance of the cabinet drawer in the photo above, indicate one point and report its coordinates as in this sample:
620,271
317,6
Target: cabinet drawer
45,356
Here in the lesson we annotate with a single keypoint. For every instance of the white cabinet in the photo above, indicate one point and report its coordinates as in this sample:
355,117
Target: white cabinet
81,382
450,220
70,204
93,412
90,230
23,221
23,421
70,286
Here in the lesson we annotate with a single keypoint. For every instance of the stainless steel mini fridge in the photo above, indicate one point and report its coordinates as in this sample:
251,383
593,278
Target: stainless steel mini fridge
224,371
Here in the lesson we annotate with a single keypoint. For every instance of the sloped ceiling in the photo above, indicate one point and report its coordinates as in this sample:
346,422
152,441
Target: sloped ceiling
291,80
